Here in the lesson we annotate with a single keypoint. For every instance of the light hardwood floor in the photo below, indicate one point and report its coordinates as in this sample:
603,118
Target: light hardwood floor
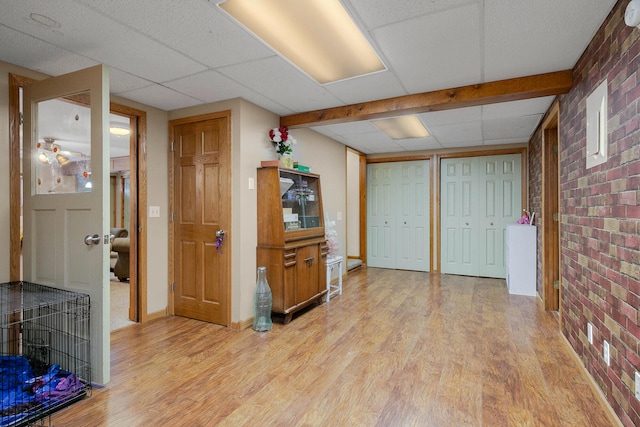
396,349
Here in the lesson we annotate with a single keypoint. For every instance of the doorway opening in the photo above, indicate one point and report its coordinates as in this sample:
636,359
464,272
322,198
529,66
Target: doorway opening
129,148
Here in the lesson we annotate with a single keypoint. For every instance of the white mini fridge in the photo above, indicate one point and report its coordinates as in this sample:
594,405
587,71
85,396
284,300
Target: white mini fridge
521,257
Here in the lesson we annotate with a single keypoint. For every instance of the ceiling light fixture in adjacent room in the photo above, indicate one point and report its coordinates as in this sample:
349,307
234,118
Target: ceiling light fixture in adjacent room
62,159
402,127
119,129
317,36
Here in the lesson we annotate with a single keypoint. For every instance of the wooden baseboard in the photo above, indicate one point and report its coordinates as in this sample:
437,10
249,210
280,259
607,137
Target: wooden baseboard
244,324
613,417
156,315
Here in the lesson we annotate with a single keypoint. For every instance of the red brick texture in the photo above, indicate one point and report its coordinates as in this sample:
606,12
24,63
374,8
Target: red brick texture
600,246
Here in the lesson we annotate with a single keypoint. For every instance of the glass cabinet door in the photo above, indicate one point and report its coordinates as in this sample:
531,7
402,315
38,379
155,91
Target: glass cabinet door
300,201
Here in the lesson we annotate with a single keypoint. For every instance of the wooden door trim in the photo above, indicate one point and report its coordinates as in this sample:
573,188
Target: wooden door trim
435,213
17,82
550,233
172,197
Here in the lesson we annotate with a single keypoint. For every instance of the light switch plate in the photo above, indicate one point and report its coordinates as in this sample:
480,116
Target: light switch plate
154,211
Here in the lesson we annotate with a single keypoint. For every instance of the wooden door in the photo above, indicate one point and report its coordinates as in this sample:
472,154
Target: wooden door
202,207
61,210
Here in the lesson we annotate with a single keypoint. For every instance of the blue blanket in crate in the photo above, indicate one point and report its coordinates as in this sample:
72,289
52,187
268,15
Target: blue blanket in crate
23,395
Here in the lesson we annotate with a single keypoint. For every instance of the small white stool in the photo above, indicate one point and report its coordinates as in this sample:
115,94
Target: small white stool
333,289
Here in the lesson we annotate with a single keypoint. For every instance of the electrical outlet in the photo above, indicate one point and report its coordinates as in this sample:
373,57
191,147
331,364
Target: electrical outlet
590,333
606,353
638,385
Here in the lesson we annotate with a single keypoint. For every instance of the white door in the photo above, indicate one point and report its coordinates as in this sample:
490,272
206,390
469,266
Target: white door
413,216
501,199
458,217
479,197
398,215
66,198
381,247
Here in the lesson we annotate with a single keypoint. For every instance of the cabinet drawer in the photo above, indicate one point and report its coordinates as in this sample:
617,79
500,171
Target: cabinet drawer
289,257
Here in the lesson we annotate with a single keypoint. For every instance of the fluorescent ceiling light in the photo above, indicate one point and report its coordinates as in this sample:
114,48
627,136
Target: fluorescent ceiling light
317,36
403,127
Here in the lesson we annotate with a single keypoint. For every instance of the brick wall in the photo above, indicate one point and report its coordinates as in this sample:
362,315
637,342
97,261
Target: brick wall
600,246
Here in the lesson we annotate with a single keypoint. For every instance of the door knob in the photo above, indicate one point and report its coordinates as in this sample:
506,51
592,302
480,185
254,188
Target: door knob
92,240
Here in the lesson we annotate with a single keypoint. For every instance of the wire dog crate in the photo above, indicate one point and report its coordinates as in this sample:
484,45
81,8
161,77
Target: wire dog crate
45,362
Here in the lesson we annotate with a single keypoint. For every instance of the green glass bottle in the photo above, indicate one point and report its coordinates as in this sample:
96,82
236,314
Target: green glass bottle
262,303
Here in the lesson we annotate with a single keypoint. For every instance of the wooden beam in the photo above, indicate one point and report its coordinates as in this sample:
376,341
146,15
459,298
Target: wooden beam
540,85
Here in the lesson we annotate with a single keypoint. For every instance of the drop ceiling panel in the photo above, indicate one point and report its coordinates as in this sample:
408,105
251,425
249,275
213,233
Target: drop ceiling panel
373,146
161,97
275,78
376,13
120,82
212,86
512,127
457,133
517,108
348,129
419,144
371,87
531,37
436,51
38,55
79,29
450,117
199,30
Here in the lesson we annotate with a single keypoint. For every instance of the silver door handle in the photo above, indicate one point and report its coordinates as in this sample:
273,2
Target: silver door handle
220,233
92,240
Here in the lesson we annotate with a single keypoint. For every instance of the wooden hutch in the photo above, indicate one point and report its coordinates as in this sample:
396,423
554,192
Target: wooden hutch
291,240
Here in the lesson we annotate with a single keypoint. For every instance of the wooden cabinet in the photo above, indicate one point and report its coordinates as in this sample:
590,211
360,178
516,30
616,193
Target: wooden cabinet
291,241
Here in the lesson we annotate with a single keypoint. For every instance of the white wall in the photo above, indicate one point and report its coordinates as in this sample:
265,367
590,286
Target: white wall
327,158
353,204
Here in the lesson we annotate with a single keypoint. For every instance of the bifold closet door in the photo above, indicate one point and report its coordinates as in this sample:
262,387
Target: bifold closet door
479,197
398,215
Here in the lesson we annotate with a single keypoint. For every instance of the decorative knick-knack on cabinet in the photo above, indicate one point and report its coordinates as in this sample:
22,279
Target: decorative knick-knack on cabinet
291,241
